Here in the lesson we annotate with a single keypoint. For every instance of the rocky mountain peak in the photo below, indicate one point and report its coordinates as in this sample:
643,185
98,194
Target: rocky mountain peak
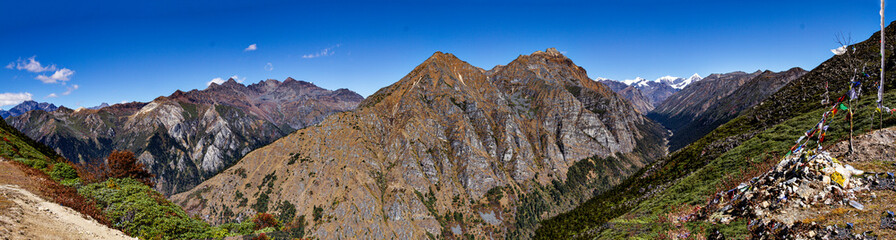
26,106
442,139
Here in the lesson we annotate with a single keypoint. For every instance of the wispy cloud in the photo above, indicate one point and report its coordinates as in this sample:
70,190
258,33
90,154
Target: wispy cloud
70,89
220,81
322,53
269,67
31,65
61,75
252,47
14,98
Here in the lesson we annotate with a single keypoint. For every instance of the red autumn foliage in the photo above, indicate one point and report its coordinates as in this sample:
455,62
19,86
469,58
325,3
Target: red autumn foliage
265,220
261,236
119,164
63,195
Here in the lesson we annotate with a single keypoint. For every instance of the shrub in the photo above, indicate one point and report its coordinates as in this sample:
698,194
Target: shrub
265,220
140,211
318,213
261,236
119,164
287,211
296,228
123,164
63,171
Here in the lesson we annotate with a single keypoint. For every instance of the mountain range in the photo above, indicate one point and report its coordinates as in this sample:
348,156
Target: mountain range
26,106
646,94
718,98
450,150
190,136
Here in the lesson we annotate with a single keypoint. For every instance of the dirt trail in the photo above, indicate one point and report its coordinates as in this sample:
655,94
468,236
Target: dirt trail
24,215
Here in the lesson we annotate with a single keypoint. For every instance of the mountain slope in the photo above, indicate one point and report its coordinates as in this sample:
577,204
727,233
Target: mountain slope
189,136
630,93
686,178
27,106
728,107
704,105
448,150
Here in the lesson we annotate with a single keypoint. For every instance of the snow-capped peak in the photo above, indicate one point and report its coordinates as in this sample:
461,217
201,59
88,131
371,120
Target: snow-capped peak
633,81
685,82
695,77
667,78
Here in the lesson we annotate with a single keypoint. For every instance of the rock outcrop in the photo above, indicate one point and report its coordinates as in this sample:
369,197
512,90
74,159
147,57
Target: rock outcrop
189,136
448,150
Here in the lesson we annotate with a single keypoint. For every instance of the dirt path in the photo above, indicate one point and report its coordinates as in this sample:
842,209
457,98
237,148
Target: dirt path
24,215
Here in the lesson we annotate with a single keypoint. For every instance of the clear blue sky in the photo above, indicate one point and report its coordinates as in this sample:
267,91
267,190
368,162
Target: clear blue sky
118,51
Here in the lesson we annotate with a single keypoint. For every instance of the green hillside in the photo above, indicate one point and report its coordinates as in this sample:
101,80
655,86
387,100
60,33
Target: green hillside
687,178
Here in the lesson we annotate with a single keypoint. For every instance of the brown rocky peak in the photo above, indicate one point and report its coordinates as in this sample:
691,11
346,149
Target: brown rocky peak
231,82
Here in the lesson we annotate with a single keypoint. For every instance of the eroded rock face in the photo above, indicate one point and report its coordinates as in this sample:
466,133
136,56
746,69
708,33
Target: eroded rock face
190,136
450,149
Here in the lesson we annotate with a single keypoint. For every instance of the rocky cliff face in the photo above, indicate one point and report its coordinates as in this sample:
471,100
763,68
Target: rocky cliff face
704,105
450,150
27,106
189,136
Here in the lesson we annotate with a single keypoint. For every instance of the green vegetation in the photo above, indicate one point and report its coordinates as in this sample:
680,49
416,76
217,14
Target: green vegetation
287,211
297,156
140,211
495,194
318,213
261,203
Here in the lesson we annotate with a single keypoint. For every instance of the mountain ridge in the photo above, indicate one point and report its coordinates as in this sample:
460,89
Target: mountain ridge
186,137
26,106
448,150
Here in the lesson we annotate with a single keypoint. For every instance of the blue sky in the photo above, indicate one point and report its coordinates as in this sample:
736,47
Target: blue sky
91,52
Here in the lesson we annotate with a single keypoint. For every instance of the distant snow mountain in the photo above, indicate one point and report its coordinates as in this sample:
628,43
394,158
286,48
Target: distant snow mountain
674,82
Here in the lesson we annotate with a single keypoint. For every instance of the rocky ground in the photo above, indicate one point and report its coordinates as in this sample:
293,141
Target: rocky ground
828,194
25,215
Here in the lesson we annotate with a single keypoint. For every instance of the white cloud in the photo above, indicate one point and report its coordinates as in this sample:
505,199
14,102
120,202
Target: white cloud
238,79
323,53
252,47
216,80
14,98
11,65
123,102
52,95
220,81
70,90
31,65
269,67
60,75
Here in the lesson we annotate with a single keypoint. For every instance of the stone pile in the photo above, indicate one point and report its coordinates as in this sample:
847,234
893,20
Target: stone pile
778,200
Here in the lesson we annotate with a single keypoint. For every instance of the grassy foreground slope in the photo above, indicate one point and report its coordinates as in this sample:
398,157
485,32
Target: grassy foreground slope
124,204
687,177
